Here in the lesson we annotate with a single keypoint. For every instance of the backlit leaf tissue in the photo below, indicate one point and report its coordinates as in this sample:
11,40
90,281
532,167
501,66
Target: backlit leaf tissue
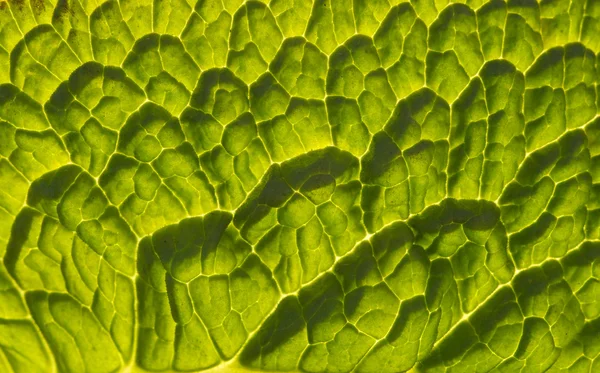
299,186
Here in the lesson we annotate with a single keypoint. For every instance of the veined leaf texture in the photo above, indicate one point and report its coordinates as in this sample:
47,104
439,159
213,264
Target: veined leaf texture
299,186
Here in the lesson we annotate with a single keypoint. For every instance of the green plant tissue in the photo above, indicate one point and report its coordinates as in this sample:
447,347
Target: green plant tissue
299,186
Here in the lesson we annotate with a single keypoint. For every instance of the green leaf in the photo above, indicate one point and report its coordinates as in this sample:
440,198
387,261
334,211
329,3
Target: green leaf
299,186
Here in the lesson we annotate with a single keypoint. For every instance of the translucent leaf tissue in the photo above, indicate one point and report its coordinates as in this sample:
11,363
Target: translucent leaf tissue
300,186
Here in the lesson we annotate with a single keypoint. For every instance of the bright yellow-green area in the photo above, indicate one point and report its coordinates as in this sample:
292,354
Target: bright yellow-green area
297,185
